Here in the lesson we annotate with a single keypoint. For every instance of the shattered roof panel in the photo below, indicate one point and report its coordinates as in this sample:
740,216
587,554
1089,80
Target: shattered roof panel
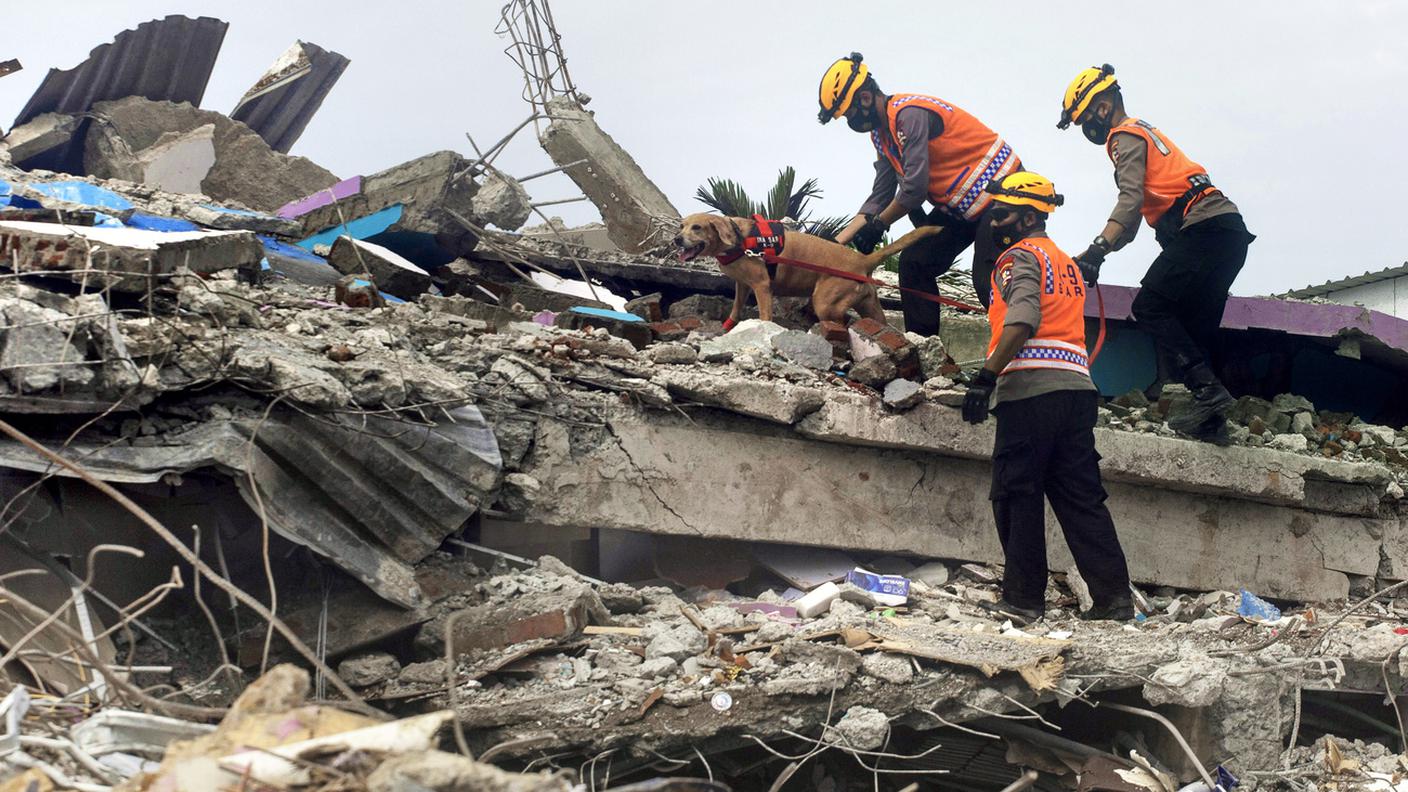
163,60
283,101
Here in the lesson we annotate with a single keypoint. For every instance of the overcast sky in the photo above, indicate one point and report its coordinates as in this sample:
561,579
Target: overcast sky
1296,108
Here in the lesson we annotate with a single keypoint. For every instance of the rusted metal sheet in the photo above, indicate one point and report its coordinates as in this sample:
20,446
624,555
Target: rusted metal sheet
283,101
164,60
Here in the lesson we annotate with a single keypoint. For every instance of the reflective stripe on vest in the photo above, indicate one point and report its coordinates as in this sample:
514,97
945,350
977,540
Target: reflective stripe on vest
1060,339
962,159
1168,173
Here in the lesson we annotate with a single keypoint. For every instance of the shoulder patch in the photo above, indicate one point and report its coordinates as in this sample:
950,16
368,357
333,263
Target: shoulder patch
1003,269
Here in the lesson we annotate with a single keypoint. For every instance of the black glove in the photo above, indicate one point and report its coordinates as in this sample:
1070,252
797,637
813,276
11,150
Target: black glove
1089,263
975,404
869,234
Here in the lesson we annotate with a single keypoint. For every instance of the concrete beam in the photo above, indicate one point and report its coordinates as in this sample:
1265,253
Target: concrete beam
628,200
731,477
1257,474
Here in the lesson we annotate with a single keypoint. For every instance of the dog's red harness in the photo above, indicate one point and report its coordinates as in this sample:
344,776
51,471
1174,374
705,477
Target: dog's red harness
766,241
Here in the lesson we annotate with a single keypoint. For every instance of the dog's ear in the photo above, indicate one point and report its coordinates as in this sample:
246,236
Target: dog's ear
730,235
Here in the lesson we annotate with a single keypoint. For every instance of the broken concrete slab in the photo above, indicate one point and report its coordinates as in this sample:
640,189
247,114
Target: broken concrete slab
41,349
630,204
1307,482
503,202
279,106
422,197
780,402
178,162
225,219
658,473
392,273
123,258
133,136
43,134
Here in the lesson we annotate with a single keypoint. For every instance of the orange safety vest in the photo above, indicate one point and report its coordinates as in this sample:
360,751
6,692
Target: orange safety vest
1168,173
1059,342
962,159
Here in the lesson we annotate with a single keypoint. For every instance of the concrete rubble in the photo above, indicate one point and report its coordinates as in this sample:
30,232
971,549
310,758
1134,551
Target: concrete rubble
313,432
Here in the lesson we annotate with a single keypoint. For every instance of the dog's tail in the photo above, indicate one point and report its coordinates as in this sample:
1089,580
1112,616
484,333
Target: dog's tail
873,260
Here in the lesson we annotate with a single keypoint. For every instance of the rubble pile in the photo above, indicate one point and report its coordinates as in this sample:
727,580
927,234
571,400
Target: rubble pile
229,378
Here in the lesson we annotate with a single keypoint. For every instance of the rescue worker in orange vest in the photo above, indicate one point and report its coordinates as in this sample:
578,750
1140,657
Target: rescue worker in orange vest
1204,241
926,149
1037,381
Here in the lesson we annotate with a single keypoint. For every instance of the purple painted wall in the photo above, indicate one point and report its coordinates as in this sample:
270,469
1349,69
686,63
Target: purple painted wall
1297,318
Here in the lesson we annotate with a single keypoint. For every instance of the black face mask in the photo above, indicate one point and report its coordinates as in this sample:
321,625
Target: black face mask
1009,233
863,120
1096,130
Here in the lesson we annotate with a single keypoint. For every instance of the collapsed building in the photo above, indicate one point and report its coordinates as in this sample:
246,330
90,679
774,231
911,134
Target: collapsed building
377,444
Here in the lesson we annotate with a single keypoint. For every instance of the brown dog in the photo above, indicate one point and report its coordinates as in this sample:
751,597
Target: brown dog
712,235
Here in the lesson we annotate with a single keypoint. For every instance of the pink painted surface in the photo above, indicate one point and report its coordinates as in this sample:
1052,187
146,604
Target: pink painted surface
343,189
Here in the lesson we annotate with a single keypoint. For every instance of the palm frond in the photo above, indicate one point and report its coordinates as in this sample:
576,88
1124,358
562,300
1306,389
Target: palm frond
727,196
826,227
797,202
780,196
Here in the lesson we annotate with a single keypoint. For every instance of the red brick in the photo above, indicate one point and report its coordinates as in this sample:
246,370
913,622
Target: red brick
555,616
835,332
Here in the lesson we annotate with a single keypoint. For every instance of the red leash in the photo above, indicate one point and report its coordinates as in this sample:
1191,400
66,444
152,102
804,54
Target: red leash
825,270
1100,336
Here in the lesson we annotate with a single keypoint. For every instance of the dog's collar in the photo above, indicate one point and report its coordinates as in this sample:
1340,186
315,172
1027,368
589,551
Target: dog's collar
765,239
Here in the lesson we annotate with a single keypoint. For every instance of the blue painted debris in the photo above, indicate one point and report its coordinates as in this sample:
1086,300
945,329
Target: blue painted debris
361,228
603,313
151,222
1254,608
101,220
390,299
297,264
8,198
272,245
83,193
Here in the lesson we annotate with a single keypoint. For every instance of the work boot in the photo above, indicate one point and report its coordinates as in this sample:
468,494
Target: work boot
1210,400
1215,430
1019,616
1119,609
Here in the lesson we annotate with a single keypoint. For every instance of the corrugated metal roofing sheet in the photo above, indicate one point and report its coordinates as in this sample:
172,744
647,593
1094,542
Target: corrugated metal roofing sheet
164,60
1350,282
283,101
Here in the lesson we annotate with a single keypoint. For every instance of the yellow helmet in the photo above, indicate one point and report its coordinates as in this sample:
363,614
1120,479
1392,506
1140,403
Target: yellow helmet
1083,90
839,85
1024,188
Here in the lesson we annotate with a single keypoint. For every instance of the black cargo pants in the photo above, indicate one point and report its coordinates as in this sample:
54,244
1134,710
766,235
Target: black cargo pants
1045,450
923,262
1183,295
